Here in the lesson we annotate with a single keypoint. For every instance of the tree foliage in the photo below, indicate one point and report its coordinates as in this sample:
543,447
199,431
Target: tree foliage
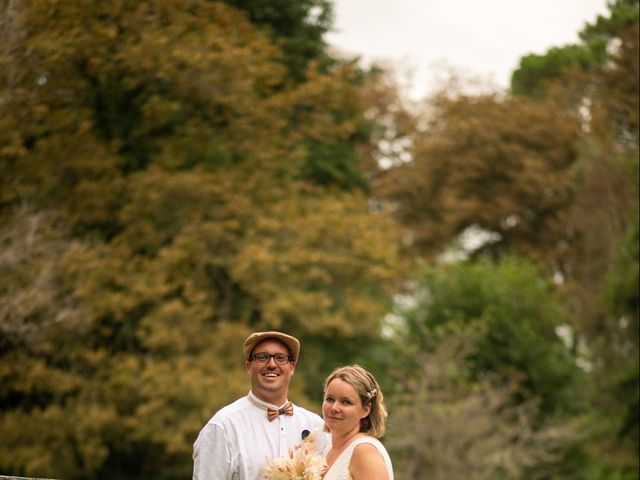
548,171
297,26
514,313
500,165
536,73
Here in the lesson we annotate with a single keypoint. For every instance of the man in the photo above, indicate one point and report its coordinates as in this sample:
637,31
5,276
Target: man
242,437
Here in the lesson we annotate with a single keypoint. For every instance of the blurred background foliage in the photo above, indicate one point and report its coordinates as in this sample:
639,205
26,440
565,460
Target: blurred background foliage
178,174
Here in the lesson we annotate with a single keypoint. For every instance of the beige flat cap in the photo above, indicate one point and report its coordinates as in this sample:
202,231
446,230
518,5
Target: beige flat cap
255,338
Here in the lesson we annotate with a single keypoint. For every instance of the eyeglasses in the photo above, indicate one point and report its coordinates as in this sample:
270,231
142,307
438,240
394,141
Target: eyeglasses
264,357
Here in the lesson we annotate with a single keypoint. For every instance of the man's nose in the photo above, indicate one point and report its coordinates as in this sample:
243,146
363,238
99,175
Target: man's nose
272,360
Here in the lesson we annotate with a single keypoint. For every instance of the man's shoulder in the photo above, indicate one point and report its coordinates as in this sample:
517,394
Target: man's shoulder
232,410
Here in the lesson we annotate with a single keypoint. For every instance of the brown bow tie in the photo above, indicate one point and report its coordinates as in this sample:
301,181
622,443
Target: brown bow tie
272,413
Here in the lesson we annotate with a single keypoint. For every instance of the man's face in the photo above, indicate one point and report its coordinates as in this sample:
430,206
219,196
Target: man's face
270,379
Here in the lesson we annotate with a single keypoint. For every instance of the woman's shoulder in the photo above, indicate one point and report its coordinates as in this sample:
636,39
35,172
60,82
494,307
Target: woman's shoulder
368,446
369,453
367,439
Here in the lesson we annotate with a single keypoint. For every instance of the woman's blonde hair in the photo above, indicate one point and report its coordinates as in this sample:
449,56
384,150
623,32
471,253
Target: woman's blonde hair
369,392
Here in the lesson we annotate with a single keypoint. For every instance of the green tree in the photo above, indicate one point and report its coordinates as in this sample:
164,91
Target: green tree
613,336
621,296
536,73
604,217
516,316
297,26
496,376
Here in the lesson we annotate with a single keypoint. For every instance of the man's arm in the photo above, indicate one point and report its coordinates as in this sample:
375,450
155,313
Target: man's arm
212,458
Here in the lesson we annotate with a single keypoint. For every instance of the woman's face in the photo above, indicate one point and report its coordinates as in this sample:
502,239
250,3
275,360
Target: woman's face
342,408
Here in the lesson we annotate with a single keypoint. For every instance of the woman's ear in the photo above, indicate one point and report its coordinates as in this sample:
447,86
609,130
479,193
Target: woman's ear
366,410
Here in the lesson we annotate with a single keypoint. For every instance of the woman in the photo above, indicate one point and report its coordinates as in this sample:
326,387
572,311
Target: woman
354,412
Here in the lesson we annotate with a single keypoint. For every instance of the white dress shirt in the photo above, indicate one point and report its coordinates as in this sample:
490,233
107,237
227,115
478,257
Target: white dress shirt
238,440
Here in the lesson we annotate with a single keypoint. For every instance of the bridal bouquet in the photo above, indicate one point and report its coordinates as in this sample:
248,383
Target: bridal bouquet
302,463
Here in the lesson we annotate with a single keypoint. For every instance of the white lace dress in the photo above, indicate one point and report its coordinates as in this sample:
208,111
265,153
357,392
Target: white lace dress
340,468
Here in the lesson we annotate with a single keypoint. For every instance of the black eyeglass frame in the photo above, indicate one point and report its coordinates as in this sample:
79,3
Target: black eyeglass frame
268,356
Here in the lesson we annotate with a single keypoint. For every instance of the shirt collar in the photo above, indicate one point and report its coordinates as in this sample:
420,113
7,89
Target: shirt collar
262,404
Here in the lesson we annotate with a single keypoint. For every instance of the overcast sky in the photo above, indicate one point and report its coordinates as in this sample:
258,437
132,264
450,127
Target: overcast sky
482,38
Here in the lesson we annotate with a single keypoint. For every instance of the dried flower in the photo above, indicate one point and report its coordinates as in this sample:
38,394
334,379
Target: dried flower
303,463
